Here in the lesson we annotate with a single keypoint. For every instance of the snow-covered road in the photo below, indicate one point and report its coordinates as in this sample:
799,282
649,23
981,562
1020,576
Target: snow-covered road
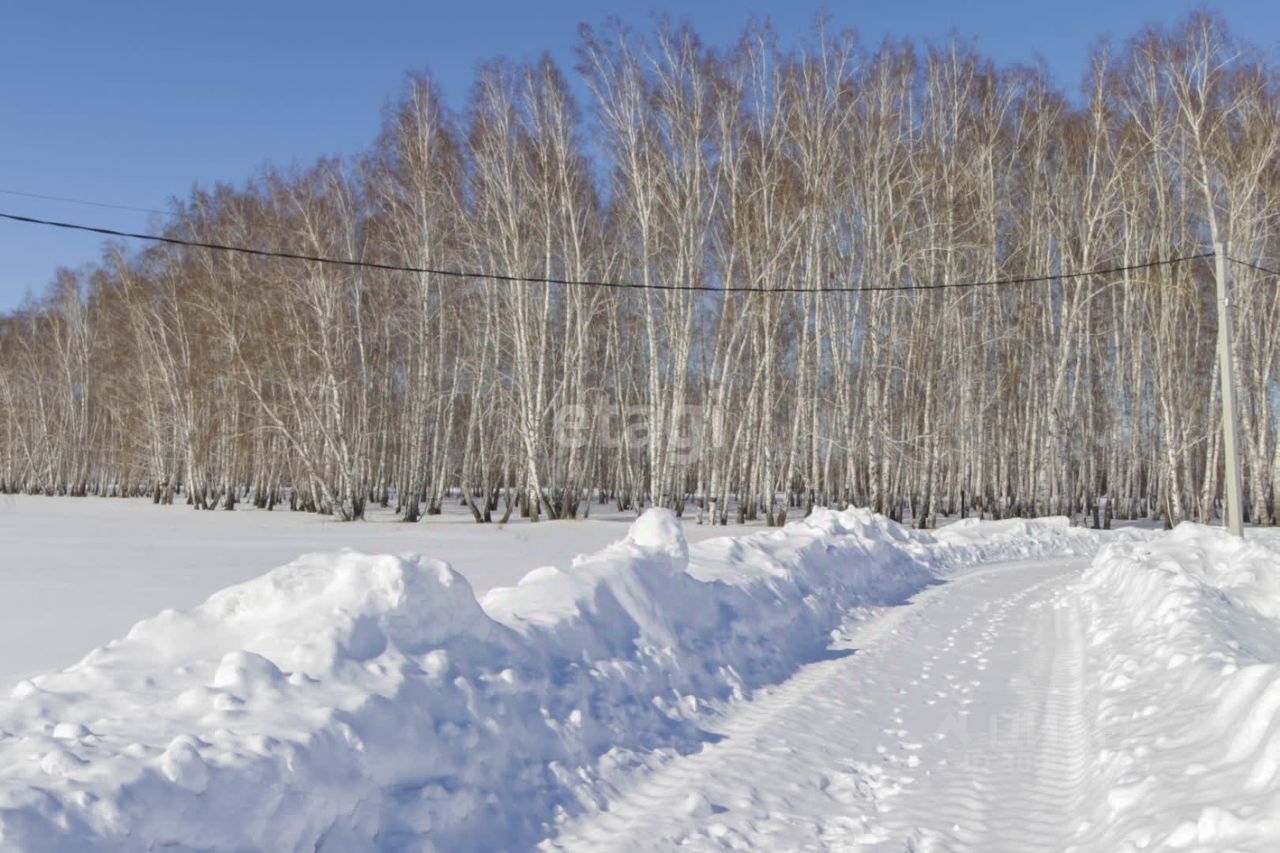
953,721
842,683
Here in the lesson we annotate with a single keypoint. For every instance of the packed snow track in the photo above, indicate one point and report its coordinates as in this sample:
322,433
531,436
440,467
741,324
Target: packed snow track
952,722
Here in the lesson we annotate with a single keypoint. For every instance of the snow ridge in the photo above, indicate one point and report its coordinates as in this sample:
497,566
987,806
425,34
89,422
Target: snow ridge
1185,657
347,701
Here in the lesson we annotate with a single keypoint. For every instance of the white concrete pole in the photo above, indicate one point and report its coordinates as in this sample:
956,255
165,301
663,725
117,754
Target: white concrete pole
1230,425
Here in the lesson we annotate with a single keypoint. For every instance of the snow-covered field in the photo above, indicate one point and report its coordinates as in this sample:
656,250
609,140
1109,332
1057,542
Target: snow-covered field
76,573
842,683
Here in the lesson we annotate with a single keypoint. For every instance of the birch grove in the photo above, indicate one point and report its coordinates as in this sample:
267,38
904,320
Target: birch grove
810,193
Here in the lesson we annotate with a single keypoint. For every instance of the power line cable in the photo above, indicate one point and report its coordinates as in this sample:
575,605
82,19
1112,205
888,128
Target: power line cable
83,201
1257,267
492,276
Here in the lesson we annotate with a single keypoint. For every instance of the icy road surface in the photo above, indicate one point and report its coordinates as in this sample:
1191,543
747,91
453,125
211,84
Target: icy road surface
953,722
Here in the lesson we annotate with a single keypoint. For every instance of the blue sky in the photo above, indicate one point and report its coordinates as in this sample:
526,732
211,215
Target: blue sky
132,103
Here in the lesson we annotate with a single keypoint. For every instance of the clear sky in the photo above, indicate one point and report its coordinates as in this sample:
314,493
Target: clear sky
132,103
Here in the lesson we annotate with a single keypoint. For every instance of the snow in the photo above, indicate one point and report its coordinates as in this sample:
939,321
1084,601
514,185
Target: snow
347,700
76,573
914,734
1185,649
842,682
1125,703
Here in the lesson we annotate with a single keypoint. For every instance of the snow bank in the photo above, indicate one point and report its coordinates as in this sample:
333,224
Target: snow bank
348,700
1185,654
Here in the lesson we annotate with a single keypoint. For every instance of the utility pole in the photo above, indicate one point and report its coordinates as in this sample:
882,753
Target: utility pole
1230,426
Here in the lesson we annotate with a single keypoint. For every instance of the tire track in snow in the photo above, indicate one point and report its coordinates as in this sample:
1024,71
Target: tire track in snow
750,740
1038,793
956,724
1018,783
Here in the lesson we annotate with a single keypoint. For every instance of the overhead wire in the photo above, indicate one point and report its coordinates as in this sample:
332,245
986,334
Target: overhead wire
526,279
82,201
1257,267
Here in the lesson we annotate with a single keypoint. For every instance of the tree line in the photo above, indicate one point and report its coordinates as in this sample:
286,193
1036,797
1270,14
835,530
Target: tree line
812,190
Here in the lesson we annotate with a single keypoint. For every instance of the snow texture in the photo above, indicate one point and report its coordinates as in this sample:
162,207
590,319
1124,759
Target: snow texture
1185,658
118,561
347,701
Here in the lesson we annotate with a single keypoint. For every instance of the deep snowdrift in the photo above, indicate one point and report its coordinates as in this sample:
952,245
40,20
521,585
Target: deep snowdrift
348,700
120,561
1185,656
